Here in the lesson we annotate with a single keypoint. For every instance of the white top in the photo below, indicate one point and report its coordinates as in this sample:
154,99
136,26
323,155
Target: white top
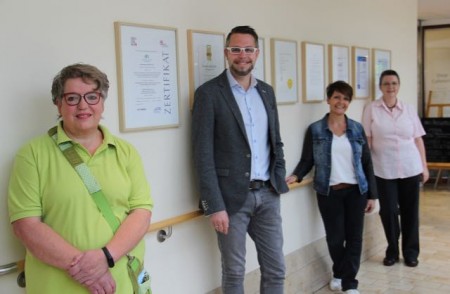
342,168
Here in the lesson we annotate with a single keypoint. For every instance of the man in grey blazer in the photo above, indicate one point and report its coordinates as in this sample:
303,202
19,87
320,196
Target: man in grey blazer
239,160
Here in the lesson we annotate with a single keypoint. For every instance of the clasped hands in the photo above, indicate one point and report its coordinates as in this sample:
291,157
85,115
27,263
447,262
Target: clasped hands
90,269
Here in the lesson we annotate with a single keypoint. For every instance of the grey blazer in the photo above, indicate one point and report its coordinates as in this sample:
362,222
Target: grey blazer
222,154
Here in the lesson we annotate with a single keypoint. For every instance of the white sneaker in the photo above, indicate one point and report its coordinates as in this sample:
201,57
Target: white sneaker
335,284
352,291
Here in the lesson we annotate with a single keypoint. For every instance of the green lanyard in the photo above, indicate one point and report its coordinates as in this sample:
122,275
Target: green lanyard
87,177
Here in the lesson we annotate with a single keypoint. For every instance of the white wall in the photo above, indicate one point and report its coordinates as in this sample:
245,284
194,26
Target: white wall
38,38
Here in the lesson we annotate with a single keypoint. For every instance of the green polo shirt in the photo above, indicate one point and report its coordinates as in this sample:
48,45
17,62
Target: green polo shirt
44,184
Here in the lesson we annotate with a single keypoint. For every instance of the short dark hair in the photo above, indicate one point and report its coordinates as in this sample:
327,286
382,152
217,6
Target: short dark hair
88,73
341,87
389,72
242,30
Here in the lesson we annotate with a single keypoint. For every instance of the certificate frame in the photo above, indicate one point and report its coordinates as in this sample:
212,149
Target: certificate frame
284,61
338,63
206,58
147,75
313,72
361,72
381,62
259,71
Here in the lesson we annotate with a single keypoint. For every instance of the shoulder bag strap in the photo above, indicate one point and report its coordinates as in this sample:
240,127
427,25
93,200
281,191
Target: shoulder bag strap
88,179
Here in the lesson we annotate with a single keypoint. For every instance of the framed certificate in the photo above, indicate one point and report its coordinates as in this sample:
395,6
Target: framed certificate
284,70
259,71
361,72
381,62
338,63
313,72
206,58
147,69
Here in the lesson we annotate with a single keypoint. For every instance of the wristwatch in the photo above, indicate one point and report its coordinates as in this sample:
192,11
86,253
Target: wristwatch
109,258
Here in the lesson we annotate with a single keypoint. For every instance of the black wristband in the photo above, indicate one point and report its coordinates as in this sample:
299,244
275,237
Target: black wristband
109,258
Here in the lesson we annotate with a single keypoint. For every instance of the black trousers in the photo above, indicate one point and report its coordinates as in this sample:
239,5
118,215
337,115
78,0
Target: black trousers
342,213
399,198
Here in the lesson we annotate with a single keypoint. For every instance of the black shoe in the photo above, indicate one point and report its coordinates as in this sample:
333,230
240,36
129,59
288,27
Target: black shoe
387,261
411,262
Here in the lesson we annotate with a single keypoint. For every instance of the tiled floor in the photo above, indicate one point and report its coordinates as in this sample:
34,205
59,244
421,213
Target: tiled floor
432,276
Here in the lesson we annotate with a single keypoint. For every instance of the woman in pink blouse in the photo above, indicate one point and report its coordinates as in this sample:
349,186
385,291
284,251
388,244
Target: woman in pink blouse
394,132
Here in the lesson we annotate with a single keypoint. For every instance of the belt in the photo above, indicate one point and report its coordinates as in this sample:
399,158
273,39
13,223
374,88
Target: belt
258,184
341,186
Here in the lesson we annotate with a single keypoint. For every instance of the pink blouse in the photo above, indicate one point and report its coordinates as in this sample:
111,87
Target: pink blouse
394,151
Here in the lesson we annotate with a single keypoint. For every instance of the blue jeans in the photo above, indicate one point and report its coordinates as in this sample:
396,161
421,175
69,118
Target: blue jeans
260,218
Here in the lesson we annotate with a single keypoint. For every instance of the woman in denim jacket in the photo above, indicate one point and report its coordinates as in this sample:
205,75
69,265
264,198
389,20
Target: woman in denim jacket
344,182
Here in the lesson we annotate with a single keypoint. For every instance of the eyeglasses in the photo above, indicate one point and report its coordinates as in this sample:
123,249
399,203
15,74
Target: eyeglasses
239,50
395,84
73,99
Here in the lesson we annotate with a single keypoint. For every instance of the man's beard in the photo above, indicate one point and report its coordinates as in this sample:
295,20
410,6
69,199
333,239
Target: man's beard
241,73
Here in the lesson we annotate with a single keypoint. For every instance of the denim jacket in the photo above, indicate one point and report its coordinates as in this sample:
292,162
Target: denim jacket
317,152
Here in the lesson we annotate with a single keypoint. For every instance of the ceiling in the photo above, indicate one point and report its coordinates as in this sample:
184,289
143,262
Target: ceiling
433,9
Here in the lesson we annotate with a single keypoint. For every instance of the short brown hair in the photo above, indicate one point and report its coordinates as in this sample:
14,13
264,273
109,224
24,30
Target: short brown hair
242,30
341,87
88,73
389,72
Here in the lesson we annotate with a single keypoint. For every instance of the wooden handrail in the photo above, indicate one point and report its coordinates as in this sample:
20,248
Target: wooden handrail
174,220
194,214
179,219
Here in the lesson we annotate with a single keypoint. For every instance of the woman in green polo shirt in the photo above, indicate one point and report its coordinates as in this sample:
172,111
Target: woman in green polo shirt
71,247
